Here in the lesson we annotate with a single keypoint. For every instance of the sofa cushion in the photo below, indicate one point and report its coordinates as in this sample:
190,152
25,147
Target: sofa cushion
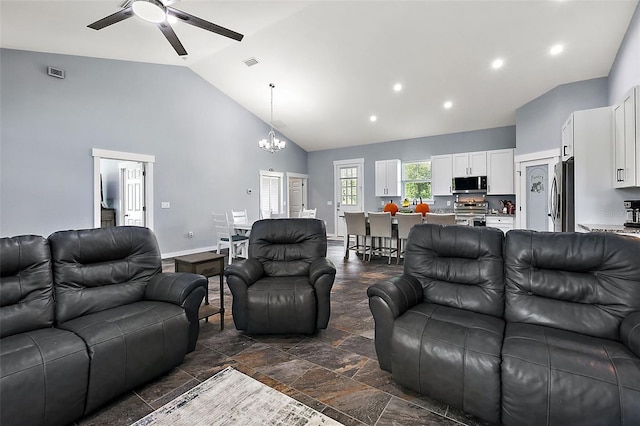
98,269
281,305
26,284
287,247
130,345
458,266
567,378
452,355
586,283
43,378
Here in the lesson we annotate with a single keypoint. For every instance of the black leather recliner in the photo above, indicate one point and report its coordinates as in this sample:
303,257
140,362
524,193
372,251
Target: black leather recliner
285,284
115,322
439,326
566,349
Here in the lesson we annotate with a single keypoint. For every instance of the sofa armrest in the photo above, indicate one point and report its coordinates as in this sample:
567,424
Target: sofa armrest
399,293
173,287
184,289
630,332
248,270
387,301
320,267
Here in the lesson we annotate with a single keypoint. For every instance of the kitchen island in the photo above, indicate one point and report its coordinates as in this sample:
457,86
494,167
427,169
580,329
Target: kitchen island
619,229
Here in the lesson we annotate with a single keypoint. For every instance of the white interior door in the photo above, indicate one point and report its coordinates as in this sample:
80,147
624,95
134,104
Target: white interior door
349,190
534,191
296,198
133,207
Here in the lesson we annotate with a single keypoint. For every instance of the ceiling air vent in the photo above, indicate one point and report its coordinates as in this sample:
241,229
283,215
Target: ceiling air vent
250,62
55,72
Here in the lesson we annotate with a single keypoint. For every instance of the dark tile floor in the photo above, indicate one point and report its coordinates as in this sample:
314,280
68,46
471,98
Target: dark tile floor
334,372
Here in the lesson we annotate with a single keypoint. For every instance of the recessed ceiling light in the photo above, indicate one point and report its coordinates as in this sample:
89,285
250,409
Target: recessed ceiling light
448,104
498,63
373,118
397,87
556,49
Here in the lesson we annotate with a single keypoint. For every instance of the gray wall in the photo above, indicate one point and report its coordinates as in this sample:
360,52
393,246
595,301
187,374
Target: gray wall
320,163
539,122
205,144
625,72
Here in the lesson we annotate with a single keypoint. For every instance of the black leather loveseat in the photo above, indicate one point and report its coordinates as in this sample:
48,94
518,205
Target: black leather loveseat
531,329
86,316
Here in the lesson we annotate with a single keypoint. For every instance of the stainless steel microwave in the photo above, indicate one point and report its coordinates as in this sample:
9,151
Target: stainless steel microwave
467,185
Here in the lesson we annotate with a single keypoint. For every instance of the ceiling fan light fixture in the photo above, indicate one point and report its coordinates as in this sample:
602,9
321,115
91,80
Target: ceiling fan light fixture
150,10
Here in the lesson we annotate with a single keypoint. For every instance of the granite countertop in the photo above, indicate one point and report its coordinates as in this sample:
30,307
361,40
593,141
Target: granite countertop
609,228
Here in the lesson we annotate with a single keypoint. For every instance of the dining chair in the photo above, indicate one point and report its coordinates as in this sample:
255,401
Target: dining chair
238,245
440,218
308,213
380,228
356,226
405,223
240,216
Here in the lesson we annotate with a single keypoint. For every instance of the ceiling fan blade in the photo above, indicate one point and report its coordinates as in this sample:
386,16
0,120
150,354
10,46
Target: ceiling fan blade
112,19
172,38
205,25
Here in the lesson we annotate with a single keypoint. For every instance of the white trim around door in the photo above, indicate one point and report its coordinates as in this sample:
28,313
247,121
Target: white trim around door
148,161
358,164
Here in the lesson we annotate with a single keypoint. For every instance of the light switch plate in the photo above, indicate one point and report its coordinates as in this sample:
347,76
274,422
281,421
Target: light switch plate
165,205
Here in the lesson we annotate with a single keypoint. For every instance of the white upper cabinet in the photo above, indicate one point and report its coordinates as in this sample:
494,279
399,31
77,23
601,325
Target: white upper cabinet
441,174
470,164
500,172
388,178
626,136
566,150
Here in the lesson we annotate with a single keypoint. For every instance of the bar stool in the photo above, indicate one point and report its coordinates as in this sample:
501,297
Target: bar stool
380,228
405,223
356,226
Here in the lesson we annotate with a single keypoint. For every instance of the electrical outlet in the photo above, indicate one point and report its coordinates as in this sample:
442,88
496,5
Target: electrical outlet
165,205
448,203
190,234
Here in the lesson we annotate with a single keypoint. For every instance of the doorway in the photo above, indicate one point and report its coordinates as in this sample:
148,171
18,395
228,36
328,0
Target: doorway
348,190
144,164
298,194
533,190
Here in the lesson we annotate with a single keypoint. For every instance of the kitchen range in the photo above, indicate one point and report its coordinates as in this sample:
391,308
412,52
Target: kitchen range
471,209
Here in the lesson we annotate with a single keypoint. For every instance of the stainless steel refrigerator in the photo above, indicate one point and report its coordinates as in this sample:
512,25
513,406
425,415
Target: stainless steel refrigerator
563,197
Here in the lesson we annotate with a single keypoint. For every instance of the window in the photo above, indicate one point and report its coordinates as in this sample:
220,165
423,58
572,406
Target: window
349,186
271,192
416,180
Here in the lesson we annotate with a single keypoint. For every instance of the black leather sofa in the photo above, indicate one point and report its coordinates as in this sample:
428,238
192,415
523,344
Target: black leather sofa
533,329
86,316
285,284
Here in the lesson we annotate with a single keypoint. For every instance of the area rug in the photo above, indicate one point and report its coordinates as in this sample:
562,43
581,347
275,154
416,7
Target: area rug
233,398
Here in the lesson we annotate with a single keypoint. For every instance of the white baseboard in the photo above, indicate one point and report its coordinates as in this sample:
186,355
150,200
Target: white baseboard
186,252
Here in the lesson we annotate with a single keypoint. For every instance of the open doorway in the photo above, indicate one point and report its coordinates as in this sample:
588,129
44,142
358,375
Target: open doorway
123,188
533,190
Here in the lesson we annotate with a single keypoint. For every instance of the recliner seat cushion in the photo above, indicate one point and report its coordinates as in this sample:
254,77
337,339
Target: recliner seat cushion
452,355
281,305
129,345
43,377
552,376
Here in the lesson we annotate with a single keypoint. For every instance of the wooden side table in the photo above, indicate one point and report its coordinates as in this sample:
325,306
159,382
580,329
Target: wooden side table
207,264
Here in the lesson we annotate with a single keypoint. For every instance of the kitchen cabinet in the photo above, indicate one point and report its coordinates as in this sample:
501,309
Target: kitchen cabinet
625,140
504,223
441,174
500,172
388,178
469,164
566,151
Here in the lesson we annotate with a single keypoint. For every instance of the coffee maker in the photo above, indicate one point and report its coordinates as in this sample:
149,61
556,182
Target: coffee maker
632,208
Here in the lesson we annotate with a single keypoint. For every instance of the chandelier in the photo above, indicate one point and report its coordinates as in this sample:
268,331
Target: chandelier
271,143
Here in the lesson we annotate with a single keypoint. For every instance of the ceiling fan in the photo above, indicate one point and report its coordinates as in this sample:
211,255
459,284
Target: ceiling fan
158,12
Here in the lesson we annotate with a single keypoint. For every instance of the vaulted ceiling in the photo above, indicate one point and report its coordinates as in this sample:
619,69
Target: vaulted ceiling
335,63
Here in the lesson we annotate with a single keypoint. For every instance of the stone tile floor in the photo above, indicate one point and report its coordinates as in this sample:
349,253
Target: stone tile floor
334,371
